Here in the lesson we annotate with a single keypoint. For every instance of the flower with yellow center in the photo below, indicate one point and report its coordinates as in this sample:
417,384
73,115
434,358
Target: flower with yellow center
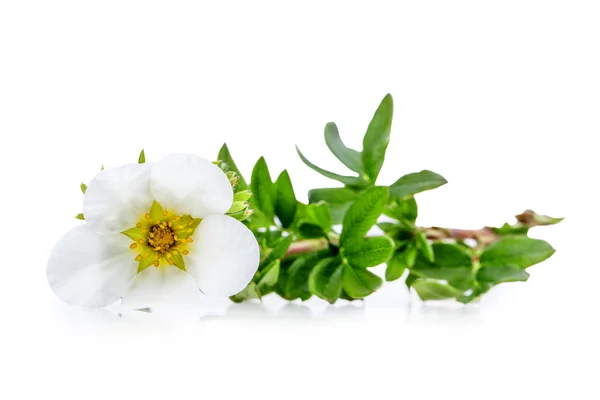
154,232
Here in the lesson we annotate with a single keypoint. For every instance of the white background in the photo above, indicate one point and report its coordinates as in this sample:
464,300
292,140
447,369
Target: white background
500,97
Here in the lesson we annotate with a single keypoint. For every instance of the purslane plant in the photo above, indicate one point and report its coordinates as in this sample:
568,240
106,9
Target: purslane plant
176,227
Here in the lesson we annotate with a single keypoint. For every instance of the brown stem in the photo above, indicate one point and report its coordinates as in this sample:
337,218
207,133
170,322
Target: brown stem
483,236
307,246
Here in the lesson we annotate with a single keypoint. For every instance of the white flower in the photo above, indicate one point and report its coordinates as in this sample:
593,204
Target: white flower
154,232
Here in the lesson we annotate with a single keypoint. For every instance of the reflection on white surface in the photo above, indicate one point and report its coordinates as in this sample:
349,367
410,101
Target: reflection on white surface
275,311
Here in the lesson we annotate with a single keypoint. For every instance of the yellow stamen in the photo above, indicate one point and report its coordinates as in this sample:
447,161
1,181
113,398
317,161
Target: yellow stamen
133,245
138,258
177,218
185,252
147,216
156,263
165,213
141,241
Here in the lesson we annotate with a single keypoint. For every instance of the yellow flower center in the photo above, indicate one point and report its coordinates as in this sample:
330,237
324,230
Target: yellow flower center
162,236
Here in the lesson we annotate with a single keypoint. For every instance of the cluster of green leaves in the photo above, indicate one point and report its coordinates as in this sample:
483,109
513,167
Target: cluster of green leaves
325,248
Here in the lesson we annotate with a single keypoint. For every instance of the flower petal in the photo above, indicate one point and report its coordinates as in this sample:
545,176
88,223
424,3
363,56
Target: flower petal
191,185
117,197
89,270
224,256
161,287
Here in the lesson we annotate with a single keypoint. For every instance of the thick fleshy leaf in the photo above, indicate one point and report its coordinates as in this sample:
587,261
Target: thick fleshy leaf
225,156
359,282
349,157
189,184
414,183
223,257
285,200
522,251
90,270
159,287
432,290
117,197
363,213
368,252
377,138
352,181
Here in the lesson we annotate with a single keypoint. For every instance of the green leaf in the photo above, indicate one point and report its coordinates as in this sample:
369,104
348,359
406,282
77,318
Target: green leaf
410,279
250,292
319,213
403,209
298,273
80,216
414,183
332,195
377,138
310,230
263,189
285,204
452,262
142,157
225,156
363,213
359,282
368,252
268,277
278,251
518,250
432,290
83,187
325,280
502,273
349,157
338,200
424,246
400,261
506,229
346,180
